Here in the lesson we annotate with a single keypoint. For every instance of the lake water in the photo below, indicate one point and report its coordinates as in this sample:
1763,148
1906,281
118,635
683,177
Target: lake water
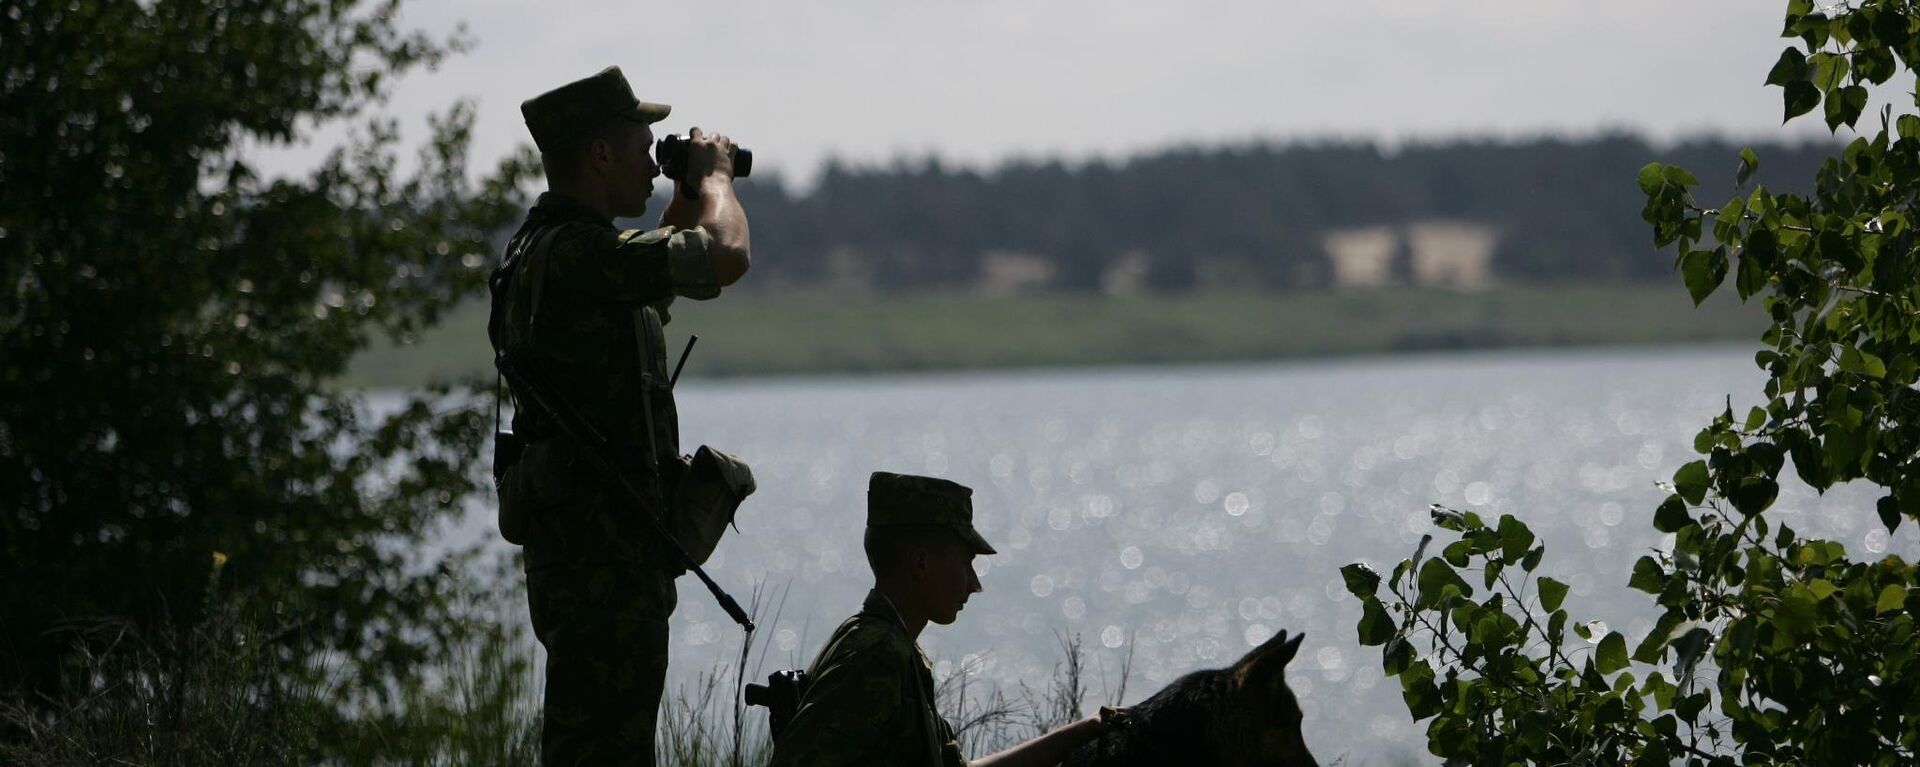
1186,514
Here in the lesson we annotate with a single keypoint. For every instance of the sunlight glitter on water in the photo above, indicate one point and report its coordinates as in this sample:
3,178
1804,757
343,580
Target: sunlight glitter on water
1184,515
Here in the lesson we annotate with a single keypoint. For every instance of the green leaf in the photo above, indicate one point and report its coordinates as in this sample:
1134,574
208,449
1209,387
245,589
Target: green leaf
1751,277
1792,67
1732,213
1845,105
1796,615
1672,516
1515,538
1438,581
1689,647
1532,560
1841,447
1691,482
1376,627
1362,580
1821,588
1397,656
1829,71
1655,642
1662,691
1447,519
1703,271
1491,573
1552,593
1762,248
1858,362
1418,690
1892,598
1652,177
1908,126
1801,97
1889,511
1749,162
1647,576
1819,553
1753,494
1612,655
1678,176
1491,628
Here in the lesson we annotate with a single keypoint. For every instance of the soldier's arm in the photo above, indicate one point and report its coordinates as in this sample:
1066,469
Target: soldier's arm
633,267
851,705
705,199
1046,750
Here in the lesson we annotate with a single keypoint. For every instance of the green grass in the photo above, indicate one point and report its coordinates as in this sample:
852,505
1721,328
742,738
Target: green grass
219,693
746,333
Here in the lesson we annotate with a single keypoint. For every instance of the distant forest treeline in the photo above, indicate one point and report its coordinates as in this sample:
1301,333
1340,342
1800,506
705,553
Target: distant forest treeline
1556,209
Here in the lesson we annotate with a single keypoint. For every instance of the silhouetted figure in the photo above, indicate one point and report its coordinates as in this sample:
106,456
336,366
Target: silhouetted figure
585,303
870,694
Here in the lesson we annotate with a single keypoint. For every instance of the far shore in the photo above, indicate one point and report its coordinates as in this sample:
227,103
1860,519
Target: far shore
750,334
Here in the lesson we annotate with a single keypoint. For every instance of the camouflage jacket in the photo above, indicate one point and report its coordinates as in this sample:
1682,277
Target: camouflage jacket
567,300
870,701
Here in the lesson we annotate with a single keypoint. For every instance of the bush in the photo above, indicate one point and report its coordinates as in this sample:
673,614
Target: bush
1771,648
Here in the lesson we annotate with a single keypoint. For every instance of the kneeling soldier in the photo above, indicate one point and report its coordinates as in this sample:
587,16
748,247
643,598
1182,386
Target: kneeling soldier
870,700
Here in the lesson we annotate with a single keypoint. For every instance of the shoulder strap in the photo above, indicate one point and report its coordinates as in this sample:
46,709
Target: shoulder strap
500,290
538,251
921,682
651,345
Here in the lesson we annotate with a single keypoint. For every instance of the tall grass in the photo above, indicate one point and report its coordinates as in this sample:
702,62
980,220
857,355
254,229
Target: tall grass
227,691
219,692
222,693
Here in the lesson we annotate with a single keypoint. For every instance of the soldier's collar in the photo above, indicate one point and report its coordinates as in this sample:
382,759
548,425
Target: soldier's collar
880,598
566,208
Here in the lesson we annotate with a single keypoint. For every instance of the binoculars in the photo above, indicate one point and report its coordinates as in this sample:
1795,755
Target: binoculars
672,154
781,695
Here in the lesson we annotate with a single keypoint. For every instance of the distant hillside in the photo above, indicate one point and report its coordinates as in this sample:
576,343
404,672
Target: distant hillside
778,334
1457,213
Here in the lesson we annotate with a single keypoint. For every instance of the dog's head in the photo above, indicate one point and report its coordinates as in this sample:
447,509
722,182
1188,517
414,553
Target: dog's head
1261,724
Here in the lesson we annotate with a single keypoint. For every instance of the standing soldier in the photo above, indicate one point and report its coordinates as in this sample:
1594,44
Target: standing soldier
583,303
870,695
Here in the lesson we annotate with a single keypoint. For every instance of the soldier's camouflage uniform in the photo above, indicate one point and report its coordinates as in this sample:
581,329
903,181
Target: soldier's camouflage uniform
599,583
870,701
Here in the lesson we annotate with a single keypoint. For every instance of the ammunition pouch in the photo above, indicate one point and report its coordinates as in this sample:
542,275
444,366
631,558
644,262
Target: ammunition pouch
509,486
532,477
709,491
705,489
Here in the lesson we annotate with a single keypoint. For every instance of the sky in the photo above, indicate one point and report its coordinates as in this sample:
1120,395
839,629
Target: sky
978,82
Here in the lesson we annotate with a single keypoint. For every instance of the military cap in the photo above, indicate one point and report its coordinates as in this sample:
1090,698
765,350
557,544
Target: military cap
569,110
901,500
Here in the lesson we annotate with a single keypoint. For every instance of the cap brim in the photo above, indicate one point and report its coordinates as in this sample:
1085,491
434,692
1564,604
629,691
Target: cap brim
973,540
648,112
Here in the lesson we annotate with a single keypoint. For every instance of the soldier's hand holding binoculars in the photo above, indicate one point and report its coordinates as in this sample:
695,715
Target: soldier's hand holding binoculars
708,155
700,158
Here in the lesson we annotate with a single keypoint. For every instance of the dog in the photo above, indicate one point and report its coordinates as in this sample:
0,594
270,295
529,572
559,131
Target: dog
1240,716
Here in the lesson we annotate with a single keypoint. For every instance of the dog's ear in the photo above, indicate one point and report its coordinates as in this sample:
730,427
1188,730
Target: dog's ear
1269,660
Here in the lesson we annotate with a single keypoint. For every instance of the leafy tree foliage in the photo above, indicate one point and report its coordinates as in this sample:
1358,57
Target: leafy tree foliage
172,319
1562,208
1771,647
